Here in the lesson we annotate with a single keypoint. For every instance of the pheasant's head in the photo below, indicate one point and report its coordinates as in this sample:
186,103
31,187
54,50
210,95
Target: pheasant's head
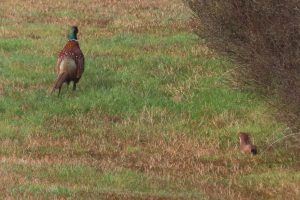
73,33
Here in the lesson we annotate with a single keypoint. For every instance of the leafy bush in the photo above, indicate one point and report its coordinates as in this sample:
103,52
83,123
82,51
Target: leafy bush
263,38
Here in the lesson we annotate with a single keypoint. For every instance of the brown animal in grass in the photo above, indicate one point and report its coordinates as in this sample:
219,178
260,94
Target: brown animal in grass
246,145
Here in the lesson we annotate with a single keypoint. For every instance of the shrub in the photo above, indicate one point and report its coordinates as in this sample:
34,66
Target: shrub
262,37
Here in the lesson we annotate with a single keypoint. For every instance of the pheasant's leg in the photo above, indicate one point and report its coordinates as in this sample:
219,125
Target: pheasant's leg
74,86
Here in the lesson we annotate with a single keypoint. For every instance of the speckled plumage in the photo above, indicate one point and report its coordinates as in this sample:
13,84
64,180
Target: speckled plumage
70,63
73,51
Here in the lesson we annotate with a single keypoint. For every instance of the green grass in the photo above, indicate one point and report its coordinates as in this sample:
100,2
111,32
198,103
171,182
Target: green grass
154,116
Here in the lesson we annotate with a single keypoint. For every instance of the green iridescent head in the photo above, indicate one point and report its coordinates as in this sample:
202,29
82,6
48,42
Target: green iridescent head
73,33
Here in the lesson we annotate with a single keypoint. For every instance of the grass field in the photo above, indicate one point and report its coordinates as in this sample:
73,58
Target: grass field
155,115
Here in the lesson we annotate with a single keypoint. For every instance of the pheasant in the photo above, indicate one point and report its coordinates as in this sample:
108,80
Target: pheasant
246,145
70,63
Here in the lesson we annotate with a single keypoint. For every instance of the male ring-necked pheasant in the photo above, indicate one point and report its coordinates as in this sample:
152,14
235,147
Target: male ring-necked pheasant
70,63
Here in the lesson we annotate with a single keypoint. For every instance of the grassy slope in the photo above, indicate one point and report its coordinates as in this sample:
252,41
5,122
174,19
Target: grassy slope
152,117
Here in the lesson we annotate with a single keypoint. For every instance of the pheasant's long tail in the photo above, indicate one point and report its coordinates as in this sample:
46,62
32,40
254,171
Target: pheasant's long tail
59,81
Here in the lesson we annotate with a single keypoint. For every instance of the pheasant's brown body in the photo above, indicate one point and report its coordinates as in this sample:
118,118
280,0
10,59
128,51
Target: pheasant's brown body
70,65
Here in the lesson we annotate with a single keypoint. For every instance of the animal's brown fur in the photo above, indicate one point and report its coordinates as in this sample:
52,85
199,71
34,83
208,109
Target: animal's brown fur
246,145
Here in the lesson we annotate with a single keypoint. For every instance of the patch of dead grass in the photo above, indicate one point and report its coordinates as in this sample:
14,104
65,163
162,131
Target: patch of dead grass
148,16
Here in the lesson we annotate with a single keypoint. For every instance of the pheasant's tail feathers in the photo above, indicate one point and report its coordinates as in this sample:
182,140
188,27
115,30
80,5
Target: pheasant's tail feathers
59,81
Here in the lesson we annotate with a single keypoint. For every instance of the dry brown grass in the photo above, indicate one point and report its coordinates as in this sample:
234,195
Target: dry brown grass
137,16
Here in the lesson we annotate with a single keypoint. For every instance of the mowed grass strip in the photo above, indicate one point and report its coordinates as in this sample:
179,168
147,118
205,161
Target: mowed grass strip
65,181
154,116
